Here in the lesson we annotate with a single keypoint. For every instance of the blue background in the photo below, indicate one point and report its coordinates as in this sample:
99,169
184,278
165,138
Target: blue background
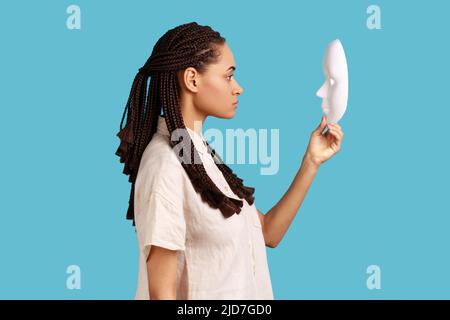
382,200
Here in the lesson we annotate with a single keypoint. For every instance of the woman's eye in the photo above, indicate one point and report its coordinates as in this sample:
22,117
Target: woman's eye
230,76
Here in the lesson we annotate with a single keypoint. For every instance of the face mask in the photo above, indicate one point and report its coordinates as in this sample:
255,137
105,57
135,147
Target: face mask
334,91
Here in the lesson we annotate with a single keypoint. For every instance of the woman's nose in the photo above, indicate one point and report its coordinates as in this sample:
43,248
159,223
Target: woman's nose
238,90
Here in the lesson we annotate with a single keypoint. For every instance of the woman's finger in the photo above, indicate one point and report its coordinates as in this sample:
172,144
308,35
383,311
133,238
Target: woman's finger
339,131
337,126
337,142
336,133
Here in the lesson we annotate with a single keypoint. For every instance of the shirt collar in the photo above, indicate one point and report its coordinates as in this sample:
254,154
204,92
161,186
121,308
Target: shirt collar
197,138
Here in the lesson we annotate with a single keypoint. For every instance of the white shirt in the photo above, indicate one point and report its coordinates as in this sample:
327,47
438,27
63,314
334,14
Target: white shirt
218,257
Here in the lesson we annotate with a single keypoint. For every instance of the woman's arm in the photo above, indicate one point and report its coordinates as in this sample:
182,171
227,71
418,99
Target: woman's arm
162,273
278,219
321,147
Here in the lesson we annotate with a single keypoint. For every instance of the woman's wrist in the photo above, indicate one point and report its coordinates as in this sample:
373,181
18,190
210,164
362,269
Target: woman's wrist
310,162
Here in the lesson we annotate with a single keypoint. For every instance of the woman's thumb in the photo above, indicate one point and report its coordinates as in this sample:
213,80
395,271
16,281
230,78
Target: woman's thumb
321,126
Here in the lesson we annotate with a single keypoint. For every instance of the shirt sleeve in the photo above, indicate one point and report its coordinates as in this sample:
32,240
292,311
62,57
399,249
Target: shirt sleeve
163,224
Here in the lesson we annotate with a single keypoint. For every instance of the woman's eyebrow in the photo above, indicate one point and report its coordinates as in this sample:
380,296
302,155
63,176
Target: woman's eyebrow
232,67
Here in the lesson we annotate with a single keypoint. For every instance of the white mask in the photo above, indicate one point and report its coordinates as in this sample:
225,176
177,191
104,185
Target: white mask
334,91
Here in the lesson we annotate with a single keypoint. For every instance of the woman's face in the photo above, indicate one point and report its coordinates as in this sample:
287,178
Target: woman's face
214,92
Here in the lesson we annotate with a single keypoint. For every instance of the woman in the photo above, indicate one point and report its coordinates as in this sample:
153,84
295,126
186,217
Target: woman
200,235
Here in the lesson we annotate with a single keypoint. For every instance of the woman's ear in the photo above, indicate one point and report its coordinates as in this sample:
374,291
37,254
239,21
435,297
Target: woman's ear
190,79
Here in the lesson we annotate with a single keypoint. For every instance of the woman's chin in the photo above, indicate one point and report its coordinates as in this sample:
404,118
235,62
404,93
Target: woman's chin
232,114
229,115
